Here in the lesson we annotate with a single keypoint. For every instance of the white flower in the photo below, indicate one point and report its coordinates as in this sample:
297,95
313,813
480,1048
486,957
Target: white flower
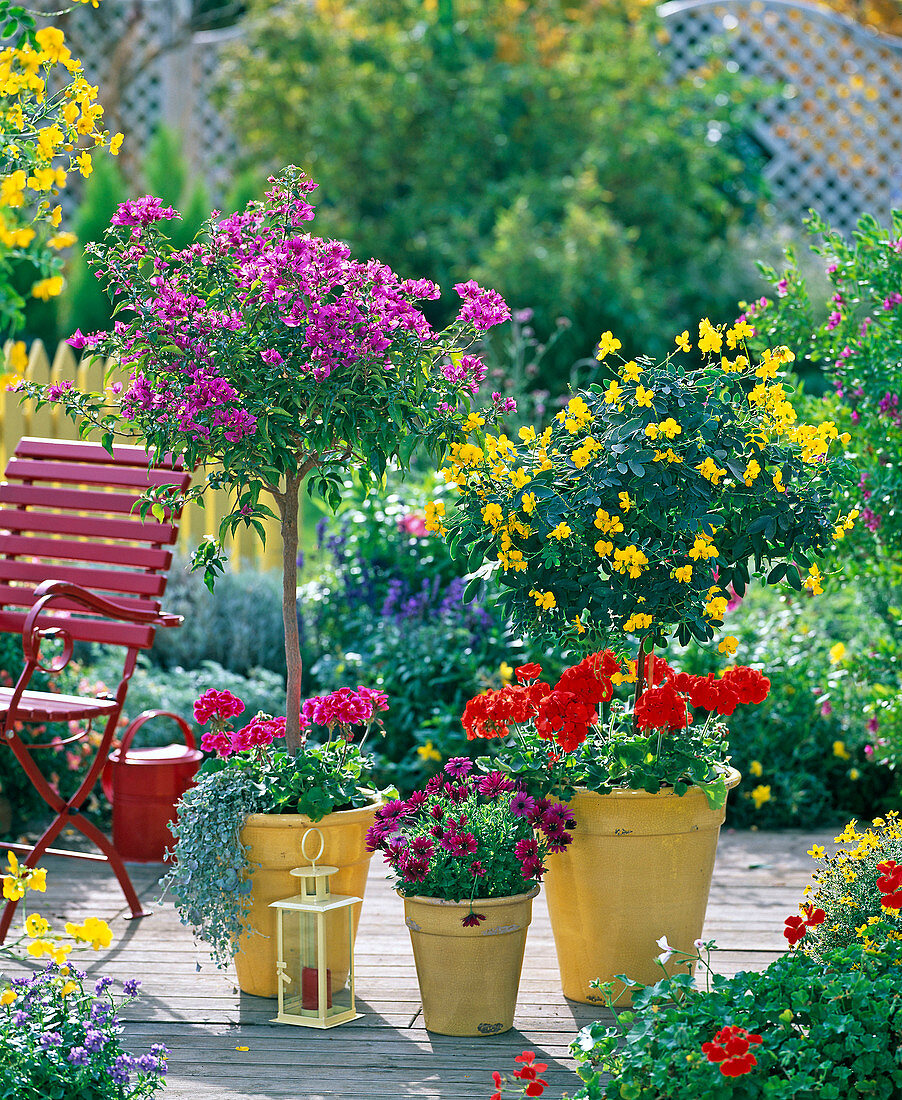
666,950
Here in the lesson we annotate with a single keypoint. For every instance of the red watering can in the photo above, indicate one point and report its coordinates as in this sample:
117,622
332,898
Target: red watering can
143,786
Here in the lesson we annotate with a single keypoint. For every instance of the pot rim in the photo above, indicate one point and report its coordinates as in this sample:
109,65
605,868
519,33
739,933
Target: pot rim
480,902
732,776
282,821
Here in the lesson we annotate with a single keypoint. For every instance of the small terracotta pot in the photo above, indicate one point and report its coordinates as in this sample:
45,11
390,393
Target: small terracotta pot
275,845
639,868
469,977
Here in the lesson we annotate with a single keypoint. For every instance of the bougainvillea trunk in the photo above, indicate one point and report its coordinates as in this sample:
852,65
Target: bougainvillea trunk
288,508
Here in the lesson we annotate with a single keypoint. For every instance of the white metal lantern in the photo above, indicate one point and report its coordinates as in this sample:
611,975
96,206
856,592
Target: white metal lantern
315,949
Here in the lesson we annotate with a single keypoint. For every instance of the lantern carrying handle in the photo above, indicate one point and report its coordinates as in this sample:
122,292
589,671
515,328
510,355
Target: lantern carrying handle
322,845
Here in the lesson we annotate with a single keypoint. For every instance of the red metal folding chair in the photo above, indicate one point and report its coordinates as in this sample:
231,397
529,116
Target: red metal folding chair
77,565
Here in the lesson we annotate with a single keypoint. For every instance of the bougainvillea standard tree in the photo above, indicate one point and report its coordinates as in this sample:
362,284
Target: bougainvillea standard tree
269,357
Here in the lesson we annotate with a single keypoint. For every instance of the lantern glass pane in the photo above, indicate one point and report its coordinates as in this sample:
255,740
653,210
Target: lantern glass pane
338,940
299,953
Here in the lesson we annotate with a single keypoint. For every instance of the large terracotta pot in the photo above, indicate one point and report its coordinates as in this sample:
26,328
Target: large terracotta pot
469,977
639,868
275,845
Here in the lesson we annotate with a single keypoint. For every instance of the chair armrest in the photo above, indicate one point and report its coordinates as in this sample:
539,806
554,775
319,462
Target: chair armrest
48,591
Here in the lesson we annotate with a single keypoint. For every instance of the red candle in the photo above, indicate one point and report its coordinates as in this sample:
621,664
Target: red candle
310,988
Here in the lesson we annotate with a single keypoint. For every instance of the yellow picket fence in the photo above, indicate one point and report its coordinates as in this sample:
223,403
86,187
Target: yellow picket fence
18,419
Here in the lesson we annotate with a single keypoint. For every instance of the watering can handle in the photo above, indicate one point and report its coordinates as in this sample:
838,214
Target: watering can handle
145,717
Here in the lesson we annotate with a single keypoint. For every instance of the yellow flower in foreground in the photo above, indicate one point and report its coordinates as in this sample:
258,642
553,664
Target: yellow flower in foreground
36,926
709,339
612,393
545,601
7,996
816,851
756,768
644,396
837,652
68,988
528,500
637,621
682,341
95,932
428,752
626,501
729,645
117,139
606,345
760,795
683,574
711,471
631,371
813,581
840,750
562,531
472,423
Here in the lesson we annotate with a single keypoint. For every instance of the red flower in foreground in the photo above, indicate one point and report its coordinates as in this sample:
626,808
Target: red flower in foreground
890,884
529,1071
472,920
525,673
661,707
730,1049
749,684
796,927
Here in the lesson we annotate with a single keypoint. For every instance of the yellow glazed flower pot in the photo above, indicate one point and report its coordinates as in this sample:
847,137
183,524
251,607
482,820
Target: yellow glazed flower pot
639,868
275,844
469,977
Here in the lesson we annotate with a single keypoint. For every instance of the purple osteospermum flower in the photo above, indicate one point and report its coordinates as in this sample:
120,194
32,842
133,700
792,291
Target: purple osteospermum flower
532,868
523,849
477,870
522,804
393,810
423,846
416,800
494,784
459,767
472,920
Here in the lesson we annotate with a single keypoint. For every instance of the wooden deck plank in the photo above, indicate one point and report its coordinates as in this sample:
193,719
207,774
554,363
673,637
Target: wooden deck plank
199,1013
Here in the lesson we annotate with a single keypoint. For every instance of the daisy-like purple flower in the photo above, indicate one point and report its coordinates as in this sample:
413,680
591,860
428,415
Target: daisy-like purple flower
494,784
416,800
394,810
522,804
532,868
477,869
472,920
458,767
526,848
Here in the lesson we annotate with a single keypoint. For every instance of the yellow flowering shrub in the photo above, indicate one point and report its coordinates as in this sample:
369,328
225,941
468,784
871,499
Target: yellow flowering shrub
851,885
51,125
649,495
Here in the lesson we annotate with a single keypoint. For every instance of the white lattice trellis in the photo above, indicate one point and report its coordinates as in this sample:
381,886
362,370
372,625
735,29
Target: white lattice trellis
835,142
152,68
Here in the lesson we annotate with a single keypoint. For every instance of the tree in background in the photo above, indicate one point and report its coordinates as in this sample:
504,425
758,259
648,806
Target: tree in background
541,146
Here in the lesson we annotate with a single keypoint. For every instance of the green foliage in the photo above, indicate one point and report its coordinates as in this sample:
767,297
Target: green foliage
856,338
544,146
383,606
829,1029
238,627
617,518
209,880
807,749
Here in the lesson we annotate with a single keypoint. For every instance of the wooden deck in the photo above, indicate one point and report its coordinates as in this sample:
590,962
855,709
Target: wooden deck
199,1013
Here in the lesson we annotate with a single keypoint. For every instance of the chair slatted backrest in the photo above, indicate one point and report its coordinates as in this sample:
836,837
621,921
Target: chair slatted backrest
66,514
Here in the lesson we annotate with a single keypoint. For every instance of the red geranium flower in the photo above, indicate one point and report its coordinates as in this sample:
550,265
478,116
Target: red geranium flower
528,672
730,1049
749,684
564,718
661,707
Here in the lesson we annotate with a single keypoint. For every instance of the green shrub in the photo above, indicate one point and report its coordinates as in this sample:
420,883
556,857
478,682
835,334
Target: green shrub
802,753
822,1030
239,626
544,143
